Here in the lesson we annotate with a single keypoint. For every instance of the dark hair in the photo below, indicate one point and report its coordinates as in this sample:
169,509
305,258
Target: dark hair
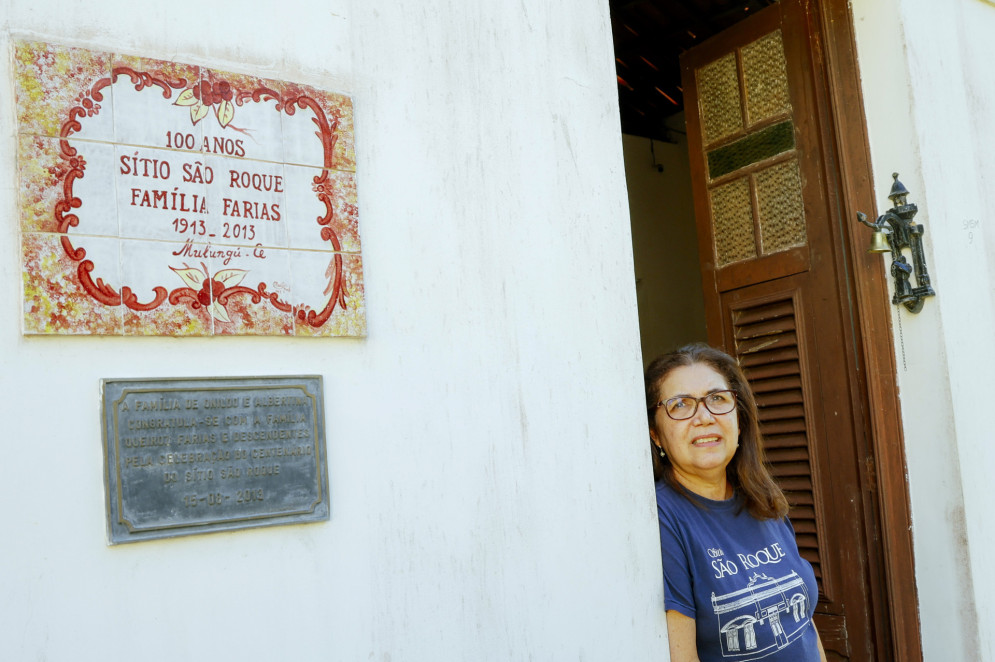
747,471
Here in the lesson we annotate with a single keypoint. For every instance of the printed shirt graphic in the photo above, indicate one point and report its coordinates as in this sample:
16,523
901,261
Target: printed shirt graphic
751,594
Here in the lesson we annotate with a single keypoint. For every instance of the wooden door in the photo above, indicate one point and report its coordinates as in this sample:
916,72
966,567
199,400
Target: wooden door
775,298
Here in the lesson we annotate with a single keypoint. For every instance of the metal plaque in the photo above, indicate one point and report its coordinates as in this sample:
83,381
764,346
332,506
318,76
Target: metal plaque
194,455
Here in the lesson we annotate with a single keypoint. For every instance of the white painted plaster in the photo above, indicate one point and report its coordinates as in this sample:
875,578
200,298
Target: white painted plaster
490,481
929,102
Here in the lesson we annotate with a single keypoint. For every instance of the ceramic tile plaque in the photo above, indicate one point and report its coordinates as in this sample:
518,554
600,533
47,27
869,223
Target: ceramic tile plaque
187,456
161,198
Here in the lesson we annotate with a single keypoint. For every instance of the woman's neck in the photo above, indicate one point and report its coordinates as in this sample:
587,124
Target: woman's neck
716,489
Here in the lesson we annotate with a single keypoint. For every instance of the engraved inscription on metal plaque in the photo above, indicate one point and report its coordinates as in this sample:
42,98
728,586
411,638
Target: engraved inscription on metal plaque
194,455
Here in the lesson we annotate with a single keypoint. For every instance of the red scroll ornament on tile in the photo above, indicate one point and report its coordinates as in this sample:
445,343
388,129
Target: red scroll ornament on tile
203,289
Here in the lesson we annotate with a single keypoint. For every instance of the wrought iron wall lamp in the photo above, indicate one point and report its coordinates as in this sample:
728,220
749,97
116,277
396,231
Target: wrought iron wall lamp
893,231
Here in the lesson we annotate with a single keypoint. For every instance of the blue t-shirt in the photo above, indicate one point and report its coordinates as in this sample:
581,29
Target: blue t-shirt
741,579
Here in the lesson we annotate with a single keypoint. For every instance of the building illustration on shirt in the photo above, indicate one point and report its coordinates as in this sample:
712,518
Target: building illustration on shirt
762,618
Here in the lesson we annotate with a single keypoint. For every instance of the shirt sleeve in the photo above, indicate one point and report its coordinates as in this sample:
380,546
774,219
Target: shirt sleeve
678,584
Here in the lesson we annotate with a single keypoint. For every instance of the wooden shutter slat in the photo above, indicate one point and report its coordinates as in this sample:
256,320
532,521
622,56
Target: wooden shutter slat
774,398
772,370
779,384
796,483
782,427
799,498
804,526
781,350
766,328
754,346
761,313
782,412
803,516
784,470
778,455
774,442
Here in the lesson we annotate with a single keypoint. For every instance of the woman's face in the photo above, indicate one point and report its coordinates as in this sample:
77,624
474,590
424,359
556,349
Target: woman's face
702,446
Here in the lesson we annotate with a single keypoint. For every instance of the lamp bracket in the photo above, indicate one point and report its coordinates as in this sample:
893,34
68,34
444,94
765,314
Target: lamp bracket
901,232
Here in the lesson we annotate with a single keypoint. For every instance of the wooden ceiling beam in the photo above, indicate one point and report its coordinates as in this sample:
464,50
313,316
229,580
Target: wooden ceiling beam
649,37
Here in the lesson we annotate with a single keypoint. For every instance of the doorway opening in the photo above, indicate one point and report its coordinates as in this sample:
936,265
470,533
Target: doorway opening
738,205
649,37
664,241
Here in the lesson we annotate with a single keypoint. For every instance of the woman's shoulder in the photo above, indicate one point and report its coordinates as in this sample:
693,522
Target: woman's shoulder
681,509
673,508
666,495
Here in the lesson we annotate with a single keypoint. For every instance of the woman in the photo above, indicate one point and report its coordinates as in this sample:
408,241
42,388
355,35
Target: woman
735,585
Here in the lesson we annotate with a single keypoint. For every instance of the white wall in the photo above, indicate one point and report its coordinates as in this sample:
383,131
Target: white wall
930,103
490,480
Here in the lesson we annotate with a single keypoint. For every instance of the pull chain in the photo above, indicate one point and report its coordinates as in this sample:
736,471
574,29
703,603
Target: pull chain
901,340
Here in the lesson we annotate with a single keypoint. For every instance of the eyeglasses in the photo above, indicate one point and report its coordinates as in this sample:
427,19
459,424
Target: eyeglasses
684,407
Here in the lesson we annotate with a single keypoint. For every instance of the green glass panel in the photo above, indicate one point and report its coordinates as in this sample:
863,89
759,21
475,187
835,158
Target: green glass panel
758,146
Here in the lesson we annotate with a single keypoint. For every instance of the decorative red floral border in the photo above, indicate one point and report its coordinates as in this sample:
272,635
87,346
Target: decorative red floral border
202,95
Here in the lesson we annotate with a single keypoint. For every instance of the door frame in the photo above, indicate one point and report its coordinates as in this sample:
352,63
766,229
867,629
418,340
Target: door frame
876,402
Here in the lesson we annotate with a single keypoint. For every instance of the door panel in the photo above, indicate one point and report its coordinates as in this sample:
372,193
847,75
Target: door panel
777,335
775,301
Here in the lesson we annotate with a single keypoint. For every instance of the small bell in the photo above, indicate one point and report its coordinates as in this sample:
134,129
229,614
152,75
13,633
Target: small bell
879,243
